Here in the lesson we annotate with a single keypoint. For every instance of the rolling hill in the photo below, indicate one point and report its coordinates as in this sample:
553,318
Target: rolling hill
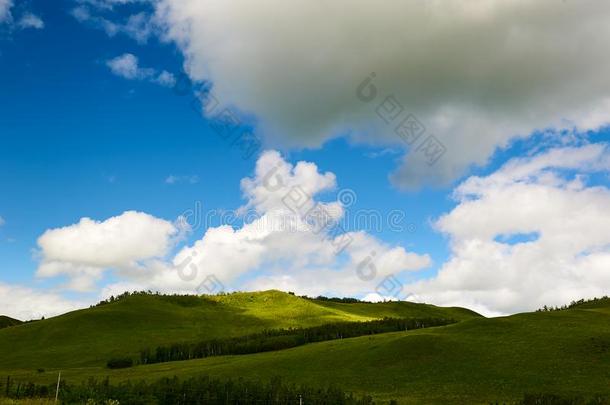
90,337
475,361
5,322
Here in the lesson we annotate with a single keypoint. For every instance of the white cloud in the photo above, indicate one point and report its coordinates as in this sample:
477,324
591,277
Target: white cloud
29,20
166,79
545,195
273,174
83,251
127,66
82,14
5,10
475,73
374,297
25,303
171,179
279,249
491,269
139,26
109,4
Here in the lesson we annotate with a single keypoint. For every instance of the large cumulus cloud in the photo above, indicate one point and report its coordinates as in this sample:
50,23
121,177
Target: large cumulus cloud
281,247
83,251
533,233
475,73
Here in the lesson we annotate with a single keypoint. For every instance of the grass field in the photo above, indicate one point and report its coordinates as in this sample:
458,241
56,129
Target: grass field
5,322
475,361
90,337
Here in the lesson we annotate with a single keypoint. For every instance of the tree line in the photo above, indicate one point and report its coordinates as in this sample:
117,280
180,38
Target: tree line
205,390
554,399
183,297
344,300
279,339
193,391
572,304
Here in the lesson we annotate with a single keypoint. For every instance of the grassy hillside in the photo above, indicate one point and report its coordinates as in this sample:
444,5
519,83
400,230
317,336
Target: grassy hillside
399,309
598,305
475,361
5,322
90,337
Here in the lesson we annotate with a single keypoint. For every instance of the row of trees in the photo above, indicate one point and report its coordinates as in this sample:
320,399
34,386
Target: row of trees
573,304
279,339
346,300
192,391
181,297
553,399
128,294
204,390
186,300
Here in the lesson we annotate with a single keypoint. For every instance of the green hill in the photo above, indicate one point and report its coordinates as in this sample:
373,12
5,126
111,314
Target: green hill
90,337
5,322
475,362
598,304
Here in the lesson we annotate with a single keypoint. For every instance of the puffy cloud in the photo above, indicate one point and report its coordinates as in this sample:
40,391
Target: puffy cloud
531,234
273,174
369,263
84,250
288,246
138,26
476,74
5,10
82,14
25,303
30,20
166,79
374,297
127,67
292,244
27,20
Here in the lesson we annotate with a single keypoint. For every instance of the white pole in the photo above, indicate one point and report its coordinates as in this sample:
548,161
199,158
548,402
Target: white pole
300,399
57,390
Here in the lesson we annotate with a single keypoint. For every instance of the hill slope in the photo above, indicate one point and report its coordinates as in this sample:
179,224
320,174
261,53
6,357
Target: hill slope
5,322
90,337
475,361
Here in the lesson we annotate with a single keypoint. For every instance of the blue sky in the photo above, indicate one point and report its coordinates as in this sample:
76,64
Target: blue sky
80,140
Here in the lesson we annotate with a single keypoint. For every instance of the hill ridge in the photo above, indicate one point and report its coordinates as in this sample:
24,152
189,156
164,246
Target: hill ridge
6,321
89,337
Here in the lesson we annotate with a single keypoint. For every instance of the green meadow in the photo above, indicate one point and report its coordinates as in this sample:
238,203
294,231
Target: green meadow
477,360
